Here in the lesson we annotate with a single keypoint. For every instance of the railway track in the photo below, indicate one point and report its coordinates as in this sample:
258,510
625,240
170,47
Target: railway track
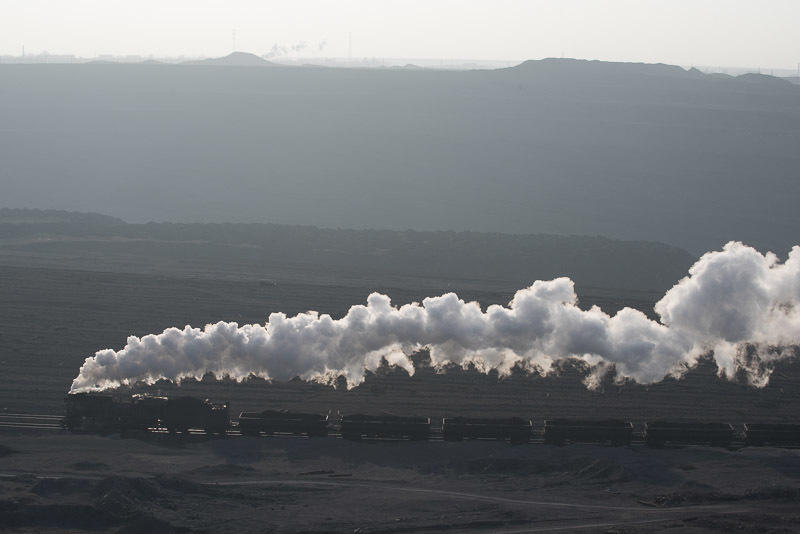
26,421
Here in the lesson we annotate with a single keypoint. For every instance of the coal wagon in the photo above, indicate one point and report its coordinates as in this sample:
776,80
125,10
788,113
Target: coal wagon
660,433
514,429
275,421
354,427
777,434
184,413
611,431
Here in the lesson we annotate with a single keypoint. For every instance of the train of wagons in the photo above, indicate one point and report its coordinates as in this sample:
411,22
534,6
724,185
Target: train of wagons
97,413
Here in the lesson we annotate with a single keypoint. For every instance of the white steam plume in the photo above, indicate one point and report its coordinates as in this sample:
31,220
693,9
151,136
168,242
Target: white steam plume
731,298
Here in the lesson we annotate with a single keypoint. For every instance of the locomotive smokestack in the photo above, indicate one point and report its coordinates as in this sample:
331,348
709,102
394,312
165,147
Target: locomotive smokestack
730,298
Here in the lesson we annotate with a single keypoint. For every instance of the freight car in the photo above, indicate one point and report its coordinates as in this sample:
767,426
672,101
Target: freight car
612,431
660,433
515,429
354,427
104,414
272,421
142,413
778,434
183,413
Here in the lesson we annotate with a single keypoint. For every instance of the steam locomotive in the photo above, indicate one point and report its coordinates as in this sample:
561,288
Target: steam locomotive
96,413
88,412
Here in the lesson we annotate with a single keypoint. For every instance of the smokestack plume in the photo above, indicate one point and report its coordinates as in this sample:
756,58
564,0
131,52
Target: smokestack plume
732,300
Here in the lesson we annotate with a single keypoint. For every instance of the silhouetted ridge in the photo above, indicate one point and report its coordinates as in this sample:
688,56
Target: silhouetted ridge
597,72
752,77
583,67
589,260
235,59
25,217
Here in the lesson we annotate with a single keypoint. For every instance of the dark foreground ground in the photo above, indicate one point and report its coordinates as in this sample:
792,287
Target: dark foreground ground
62,483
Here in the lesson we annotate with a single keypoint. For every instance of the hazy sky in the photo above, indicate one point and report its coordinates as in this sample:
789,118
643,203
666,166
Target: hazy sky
688,32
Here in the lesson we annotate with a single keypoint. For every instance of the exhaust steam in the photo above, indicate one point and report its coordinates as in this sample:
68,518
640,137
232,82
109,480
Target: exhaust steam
734,303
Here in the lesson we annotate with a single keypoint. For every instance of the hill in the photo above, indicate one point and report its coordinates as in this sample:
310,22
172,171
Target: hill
628,151
234,59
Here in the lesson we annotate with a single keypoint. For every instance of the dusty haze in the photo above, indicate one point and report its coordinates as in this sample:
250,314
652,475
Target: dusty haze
698,32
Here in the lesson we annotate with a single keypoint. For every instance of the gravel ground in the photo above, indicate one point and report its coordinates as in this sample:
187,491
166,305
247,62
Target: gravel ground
63,483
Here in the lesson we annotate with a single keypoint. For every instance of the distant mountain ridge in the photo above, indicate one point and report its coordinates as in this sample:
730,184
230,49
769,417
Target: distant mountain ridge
30,216
603,68
593,72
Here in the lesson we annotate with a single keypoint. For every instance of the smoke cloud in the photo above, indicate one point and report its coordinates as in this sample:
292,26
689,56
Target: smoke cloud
732,301
280,50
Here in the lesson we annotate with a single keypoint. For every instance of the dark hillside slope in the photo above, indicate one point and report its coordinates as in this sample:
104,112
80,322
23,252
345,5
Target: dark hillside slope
630,151
458,258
